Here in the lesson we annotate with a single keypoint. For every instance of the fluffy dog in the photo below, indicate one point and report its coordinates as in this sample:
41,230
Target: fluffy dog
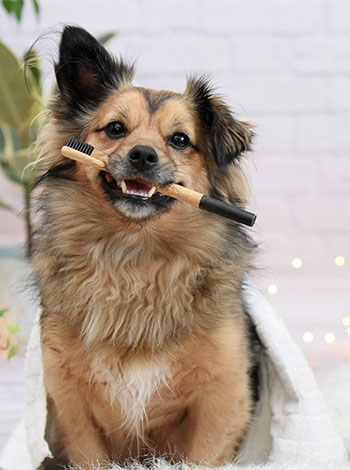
145,343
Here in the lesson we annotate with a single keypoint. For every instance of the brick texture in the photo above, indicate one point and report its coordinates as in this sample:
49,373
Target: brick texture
282,64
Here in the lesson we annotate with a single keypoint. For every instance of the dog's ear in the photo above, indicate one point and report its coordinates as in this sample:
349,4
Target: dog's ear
86,73
227,138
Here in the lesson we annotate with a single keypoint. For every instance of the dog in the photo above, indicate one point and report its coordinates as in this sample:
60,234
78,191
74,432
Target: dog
147,350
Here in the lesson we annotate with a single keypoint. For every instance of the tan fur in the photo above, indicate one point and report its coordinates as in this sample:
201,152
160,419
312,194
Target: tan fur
144,345
188,400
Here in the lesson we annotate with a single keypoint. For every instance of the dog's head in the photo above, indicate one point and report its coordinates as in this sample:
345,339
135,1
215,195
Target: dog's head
191,139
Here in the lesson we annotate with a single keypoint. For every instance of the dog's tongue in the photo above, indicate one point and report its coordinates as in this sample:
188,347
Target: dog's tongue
135,187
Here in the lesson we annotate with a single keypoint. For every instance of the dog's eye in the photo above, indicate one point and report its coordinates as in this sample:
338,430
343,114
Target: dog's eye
179,140
115,130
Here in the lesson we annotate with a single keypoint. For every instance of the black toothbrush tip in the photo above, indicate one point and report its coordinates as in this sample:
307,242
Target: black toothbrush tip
77,144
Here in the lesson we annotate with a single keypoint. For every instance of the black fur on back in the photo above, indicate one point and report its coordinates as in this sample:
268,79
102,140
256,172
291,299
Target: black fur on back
254,353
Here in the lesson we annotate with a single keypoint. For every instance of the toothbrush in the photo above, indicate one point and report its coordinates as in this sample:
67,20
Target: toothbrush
85,153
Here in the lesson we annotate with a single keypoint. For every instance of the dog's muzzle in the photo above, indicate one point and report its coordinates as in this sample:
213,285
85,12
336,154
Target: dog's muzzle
127,193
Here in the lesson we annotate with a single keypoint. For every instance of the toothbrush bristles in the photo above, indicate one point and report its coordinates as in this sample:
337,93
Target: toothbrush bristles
77,144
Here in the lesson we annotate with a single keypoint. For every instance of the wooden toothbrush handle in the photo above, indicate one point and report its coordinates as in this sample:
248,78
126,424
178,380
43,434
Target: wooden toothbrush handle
208,204
178,192
81,157
181,193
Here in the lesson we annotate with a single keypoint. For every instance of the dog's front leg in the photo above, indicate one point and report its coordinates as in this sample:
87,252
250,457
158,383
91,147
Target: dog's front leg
219,401
76,435
216,425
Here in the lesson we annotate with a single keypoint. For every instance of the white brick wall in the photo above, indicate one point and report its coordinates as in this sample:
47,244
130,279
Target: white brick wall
283,64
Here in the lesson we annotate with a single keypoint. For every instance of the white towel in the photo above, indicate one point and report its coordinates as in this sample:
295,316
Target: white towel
291,428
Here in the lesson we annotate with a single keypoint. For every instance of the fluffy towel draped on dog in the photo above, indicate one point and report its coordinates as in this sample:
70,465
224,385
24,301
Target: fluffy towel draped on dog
291,428
147,350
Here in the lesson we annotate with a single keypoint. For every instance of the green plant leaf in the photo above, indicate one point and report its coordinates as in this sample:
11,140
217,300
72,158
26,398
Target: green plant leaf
107,37
12,351
32,65
17,9
3,311
6,141
18,103
10,173
7,4
15,140
6,207
36,7
12,329
17,167
14,7
34,128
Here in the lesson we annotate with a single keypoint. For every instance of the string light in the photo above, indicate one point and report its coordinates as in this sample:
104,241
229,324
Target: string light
329,338
297,263
339,260
272,289
308,337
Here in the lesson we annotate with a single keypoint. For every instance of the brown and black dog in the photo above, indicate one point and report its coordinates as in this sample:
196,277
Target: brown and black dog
145,342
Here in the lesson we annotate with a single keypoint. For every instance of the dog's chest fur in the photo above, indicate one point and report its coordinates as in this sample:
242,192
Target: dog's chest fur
131,389
130,297
135,400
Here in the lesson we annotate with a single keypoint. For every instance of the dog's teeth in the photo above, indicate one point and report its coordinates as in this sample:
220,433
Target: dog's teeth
151,191
123,186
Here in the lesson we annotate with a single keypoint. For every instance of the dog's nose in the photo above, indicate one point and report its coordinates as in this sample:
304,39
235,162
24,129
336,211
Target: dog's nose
142,157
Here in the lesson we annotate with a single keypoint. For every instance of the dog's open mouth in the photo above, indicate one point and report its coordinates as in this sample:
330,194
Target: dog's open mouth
134,197
131,188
